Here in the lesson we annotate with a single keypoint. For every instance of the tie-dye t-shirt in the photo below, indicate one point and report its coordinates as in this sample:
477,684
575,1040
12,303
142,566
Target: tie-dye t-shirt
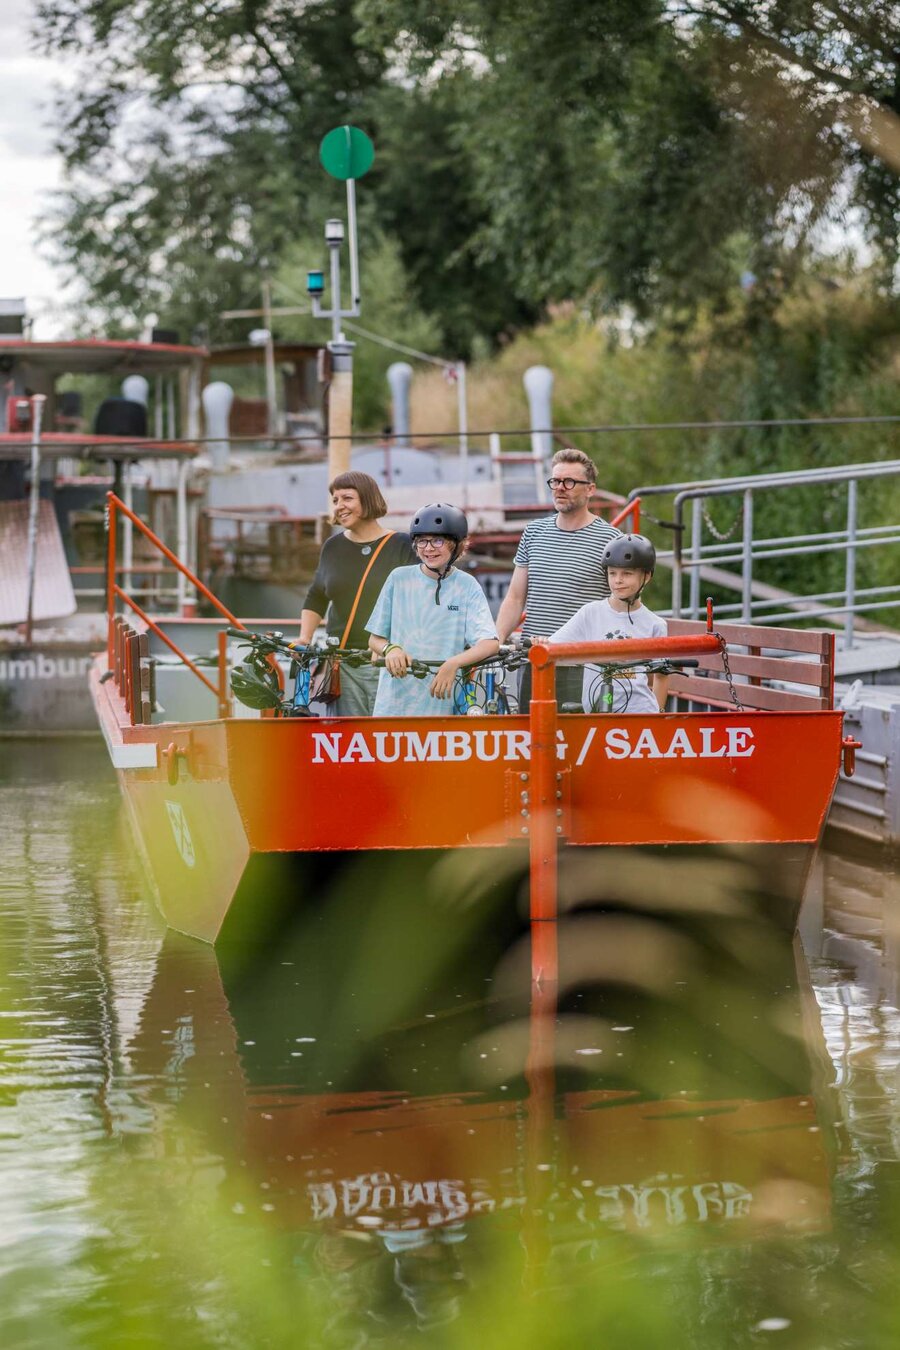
405,613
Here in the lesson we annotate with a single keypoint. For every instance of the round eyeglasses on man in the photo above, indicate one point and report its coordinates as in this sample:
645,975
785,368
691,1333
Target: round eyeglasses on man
567,483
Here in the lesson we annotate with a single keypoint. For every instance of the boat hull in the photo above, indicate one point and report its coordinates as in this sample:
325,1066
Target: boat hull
258,814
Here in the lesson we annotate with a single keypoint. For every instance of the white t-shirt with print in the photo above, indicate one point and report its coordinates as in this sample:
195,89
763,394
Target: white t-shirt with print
597,622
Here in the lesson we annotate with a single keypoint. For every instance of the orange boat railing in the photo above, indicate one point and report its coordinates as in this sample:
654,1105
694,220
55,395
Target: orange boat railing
123,654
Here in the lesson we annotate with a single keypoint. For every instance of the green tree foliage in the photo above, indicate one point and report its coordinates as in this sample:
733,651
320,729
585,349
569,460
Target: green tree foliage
639,152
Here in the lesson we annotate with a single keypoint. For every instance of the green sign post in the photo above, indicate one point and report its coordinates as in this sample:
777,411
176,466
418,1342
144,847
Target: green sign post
346,152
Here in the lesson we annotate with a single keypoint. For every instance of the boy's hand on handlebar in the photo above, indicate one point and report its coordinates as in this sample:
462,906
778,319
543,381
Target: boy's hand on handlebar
397,662
442,684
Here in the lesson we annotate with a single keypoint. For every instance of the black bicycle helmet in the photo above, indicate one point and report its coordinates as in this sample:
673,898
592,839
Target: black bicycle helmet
254,688
630,550
440,518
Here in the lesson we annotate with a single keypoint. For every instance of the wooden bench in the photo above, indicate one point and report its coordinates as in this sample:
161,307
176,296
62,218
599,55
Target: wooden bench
756,657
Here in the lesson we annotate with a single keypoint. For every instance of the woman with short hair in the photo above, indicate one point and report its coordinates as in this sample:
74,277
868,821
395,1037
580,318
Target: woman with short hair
357,505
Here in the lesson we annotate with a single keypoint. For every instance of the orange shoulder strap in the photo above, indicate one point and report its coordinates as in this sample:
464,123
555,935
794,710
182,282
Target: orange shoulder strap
381,543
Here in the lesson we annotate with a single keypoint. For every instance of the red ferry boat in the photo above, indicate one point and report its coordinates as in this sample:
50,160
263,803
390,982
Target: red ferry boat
234,815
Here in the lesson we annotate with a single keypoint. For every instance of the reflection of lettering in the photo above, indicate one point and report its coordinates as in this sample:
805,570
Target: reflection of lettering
392,1199
395,1202
676,1205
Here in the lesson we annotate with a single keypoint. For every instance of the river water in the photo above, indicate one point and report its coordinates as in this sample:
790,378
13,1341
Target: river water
371,1134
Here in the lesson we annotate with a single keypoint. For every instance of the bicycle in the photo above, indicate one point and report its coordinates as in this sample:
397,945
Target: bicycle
481,690
255,682
606,680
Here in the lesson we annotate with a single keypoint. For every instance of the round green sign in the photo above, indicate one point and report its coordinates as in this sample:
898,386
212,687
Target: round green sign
346,152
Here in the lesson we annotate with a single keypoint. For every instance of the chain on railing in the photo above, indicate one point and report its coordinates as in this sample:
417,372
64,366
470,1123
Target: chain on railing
759,602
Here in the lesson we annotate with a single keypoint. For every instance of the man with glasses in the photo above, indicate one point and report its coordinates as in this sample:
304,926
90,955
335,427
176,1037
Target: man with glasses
558,567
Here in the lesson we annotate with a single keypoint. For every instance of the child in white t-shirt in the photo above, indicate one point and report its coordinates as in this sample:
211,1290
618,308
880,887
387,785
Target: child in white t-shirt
630,561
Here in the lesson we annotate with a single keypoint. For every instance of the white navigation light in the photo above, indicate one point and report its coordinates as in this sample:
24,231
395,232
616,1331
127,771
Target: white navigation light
334,232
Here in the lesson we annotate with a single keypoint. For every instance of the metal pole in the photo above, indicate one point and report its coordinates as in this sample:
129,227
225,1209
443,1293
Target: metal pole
111,527
271,394
850,566
676,560
128,530
37,413
463,416
543,819
495,453
696,547
354,253
747,563
184,605
334,251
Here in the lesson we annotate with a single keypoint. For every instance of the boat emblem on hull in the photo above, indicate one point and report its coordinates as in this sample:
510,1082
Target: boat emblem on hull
183,841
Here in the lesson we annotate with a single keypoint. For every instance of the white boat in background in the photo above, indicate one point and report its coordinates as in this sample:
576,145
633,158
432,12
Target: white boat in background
233,483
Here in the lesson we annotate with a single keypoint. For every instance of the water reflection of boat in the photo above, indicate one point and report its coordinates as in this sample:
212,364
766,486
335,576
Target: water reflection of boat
388,1120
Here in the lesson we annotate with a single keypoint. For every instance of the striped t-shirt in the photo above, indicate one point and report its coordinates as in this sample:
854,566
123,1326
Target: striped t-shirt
564,570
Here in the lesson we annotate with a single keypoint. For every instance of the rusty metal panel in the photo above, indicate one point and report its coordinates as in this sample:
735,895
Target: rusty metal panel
54,597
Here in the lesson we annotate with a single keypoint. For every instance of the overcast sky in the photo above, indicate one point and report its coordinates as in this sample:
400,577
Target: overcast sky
28,166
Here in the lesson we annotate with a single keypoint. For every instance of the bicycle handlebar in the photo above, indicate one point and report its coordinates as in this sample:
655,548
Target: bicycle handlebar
511,656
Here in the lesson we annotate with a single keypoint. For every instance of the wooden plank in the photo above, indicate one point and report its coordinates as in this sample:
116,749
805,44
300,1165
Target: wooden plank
751,635
751,696
771,668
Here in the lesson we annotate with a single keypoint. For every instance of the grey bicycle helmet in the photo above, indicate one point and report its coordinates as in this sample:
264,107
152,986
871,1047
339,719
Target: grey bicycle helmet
630,550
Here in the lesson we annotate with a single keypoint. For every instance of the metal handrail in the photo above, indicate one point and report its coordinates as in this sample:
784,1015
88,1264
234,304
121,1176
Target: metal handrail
115,506
848,540
737,481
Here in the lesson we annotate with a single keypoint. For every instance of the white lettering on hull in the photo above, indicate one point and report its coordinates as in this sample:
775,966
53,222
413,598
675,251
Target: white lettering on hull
510,747
683,743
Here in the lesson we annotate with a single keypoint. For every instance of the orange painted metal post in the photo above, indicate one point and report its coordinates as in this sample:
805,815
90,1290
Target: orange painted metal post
545,829
630,511
224,700
118,504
